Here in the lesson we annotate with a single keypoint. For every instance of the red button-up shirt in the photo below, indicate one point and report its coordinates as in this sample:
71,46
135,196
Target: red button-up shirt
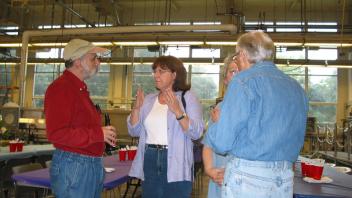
72,122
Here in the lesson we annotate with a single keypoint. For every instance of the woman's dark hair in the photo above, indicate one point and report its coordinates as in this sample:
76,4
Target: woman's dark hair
175,65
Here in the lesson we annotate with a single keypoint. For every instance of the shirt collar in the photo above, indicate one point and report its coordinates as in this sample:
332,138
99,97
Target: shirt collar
76,82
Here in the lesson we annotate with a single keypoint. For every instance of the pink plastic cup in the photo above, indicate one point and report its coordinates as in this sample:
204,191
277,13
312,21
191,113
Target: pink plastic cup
131,154
12,147
19,146
122,155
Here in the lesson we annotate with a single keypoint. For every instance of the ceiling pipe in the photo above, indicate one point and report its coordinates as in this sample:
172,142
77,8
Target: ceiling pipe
105,30
75,13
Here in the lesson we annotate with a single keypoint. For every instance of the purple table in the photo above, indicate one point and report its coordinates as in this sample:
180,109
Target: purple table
340,187
41,178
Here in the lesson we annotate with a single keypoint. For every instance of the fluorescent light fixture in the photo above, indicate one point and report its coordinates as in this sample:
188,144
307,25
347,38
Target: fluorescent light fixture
136,43
43,63
298,65
328,44
49,44
10,44
230,43
41,121
4,63
119,63
181,43
129,63
26,120
287,44
203,63
341,66
102,43
142,63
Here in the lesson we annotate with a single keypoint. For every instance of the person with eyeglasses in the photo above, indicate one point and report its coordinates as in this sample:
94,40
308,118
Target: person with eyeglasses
166,127
74,126
262,124
214,163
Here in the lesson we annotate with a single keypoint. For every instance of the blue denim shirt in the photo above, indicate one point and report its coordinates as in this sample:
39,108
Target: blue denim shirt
263,116
180,145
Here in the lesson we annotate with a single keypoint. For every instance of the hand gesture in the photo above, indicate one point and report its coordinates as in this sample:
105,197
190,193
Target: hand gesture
109,135
139,99
172,102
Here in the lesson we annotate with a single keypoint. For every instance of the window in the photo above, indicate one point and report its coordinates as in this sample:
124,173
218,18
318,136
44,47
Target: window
290,53
179,52
142,77
205,84
297,73
322,93
322,81
322,90
49,53
329,27
44,74
151,51
322,54
9,30
5,78
205,53
205,81
98,86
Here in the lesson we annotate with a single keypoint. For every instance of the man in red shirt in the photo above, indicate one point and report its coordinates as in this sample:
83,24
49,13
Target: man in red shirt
74,125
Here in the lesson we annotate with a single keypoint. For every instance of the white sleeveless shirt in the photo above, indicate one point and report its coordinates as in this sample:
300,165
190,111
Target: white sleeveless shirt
156,124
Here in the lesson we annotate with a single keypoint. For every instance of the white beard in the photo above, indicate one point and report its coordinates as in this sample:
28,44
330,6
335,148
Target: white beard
88,73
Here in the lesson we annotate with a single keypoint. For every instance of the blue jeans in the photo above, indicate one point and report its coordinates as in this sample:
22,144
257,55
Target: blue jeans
75,175
257,179
155,183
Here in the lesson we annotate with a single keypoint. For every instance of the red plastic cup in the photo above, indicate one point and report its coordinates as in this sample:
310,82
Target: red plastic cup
12,147
309,168
122,155
131,154
304,169
317,172
19,146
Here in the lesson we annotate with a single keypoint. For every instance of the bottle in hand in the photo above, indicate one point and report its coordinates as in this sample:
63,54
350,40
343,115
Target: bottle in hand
108,147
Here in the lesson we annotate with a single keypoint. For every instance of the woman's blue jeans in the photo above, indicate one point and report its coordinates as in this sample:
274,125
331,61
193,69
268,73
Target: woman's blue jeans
257,179
75,175
155,183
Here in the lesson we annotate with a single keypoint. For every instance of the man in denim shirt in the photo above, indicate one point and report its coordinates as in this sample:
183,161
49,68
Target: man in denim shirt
262,123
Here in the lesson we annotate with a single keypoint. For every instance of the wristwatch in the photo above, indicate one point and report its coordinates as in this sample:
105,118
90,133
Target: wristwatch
181,117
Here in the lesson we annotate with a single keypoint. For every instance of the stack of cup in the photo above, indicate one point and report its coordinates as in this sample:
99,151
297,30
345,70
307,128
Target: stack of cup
16,145
132,151
19,146
317,168
312,168
13,146
122,154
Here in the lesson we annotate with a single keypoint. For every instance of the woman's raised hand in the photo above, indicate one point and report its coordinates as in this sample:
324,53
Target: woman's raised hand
137,106
139,99
172,102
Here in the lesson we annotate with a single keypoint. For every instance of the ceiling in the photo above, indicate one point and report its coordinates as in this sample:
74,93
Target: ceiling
31,14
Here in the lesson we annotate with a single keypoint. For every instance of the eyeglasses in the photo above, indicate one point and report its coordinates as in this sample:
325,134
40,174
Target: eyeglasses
95,57
160,71
235,55
211,107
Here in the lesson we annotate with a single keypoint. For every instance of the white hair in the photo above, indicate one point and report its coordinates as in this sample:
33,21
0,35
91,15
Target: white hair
257,44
